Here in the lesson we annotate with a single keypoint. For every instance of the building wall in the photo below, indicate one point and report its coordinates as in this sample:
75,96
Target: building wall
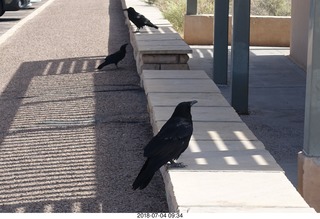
299,31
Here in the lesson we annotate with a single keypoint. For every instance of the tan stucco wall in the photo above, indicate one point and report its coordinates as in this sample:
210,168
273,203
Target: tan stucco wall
270,31
198,29
265,31
299,32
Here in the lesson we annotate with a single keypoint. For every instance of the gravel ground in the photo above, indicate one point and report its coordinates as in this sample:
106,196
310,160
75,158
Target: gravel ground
71,137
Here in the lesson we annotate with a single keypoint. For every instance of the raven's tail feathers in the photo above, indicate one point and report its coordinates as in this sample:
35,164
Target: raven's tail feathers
155,26
152,25
145,175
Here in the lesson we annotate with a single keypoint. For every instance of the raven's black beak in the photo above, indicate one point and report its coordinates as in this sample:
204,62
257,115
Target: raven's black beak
125,9
193,102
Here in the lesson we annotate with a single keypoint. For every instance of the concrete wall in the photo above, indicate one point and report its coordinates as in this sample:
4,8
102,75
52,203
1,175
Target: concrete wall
299,33
265,31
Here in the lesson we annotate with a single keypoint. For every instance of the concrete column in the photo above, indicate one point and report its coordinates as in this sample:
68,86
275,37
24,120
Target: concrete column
312,111
192,7
240,55
220,58
309,159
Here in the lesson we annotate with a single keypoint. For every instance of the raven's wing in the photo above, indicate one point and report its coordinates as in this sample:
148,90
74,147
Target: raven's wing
113,58
140,20
145,21
136,19
172,139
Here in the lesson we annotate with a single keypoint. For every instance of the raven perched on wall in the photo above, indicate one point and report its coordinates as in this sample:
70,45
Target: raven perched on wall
171,141
115,57
138,19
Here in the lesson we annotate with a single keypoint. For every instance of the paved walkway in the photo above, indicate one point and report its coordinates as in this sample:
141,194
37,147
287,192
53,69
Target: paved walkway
71,137
276,100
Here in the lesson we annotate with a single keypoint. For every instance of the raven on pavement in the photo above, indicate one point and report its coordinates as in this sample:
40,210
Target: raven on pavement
167,146
138,19
115,57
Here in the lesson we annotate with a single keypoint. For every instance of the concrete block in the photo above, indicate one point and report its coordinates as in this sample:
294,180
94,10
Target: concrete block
248,190
180,86
222,131
160,58
172,99
183,74
200,114
173,43
183,58
150,66
158,36
227,156
164,49
174,67
246,210
201,146
215,131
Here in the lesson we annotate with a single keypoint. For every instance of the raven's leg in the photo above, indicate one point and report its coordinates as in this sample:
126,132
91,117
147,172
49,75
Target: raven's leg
173,164
137,31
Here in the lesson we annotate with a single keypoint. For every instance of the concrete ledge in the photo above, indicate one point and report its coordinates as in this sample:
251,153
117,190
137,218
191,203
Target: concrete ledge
156,49
229,169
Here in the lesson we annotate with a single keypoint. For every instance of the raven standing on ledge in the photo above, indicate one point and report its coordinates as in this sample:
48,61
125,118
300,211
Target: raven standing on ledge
115,57
171,141
138,19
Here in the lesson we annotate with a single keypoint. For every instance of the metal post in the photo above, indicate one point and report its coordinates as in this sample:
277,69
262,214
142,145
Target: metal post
311,145
192,7
240,56
220,58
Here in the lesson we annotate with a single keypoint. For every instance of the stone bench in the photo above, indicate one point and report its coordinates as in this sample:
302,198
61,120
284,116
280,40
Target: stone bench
228,168
156,49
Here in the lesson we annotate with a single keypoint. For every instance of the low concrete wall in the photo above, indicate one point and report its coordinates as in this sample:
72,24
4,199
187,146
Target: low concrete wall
156,49
265,31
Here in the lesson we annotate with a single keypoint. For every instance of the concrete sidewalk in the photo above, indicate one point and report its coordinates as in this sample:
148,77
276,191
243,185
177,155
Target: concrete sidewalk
276,100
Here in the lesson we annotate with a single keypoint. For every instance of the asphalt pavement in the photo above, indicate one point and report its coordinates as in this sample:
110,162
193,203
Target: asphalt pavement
71,137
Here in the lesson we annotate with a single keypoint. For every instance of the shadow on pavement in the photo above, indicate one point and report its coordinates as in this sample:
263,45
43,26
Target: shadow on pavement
71,139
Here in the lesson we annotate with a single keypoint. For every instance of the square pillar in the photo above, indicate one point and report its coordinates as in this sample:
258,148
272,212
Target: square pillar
220,58
309,159
240,55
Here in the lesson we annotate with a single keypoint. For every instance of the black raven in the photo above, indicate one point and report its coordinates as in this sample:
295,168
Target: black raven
167,146
115,57
138,19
